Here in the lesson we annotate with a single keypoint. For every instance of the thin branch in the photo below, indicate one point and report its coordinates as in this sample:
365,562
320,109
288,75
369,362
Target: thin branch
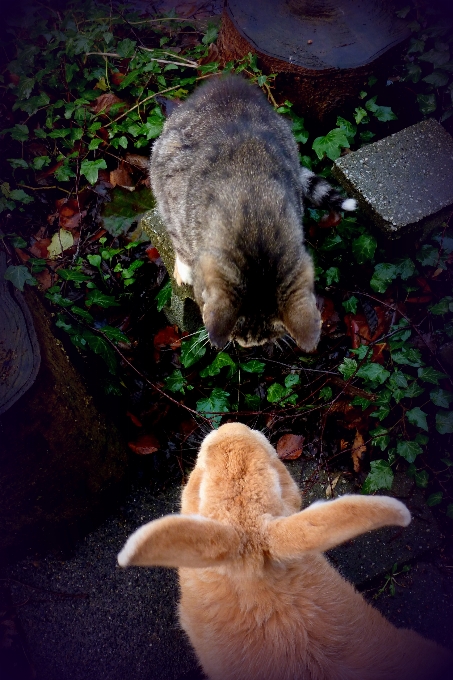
161,61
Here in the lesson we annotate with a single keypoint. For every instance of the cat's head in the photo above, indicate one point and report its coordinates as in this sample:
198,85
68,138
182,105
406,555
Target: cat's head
254,305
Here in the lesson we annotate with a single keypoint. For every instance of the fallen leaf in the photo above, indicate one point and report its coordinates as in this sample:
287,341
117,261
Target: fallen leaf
141,162
105,102
330,487
378,352
40,248
117,77
22,255
134,419
69,215
44,279
60,242
330,220
359,331
145,445
358,451
167,337
290,446
122,177
153,254
330,317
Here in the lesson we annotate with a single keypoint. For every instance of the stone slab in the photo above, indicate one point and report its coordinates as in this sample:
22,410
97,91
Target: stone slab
183,310
404,182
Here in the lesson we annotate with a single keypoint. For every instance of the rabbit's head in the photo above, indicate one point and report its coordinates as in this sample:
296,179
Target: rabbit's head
241,505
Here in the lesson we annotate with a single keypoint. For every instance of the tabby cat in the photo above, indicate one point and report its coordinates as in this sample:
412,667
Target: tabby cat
229,188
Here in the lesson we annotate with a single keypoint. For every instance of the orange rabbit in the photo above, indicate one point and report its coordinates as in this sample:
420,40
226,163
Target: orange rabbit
259,601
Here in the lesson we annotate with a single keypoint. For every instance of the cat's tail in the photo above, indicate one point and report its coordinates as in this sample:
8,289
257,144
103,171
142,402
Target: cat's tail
321,194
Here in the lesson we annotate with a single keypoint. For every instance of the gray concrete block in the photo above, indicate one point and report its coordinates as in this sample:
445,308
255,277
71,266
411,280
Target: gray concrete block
404,182
183,310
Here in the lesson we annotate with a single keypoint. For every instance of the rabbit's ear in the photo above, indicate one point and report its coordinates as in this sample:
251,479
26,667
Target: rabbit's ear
180,541
324,525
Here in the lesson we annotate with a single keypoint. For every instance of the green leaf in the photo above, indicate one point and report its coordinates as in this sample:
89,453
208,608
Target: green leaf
40,162
413,73
332,276
348,128
428,255
380,437
17,163
253,366
58,299
384,274
348,368
444,422
449,512
86,316
422,479
292,379
414,390
193,348
126,48
115,334
441,397
374,373
175,382
444,306
332,242
427,103
382,113
361,401
276,393
94,260
331,144
101,347
397,379
434,499
405,268
325,393
418,417
72,275
216,402
436,57
379,477
96,297
19,132
17,241
210,35
130,271
19,275
360,114
222,359
252,402
163,297
350,305
408,450
298,125
436,78
90,169
364,247
430,375
21,196
408,356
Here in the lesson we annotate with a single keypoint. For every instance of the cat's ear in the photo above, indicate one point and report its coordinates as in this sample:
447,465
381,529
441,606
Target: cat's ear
300,315
218,309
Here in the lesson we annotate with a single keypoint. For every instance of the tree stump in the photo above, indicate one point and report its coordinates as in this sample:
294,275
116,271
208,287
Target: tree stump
323,50
60,458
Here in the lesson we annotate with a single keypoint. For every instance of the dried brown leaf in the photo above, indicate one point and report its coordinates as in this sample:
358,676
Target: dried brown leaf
290,446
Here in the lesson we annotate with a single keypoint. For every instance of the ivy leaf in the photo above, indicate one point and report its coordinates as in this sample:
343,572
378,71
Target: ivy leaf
21,196
418,417
449,512
17,241
374,373
292,379
17,163
101,347
126,48
427,103
193,348
19,132
58,299
444,306
86,316
72,275
115,334
252,401
253,366
325,393
163,297
422,479
441,397
211,34
96,297
300,133
222,359
90,169
405,268
397,379
348,368
364,247
175,382
428,255
348,128
380,437
332,275
360,401
350,305
436,57
409,450
430,375
414,390
384,274
216,402
359,114
436,78
408,356
19,275
331,144
382,113
379,477
444,422
434,499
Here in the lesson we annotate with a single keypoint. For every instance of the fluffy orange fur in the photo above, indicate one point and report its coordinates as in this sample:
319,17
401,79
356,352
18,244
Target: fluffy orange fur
258,599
